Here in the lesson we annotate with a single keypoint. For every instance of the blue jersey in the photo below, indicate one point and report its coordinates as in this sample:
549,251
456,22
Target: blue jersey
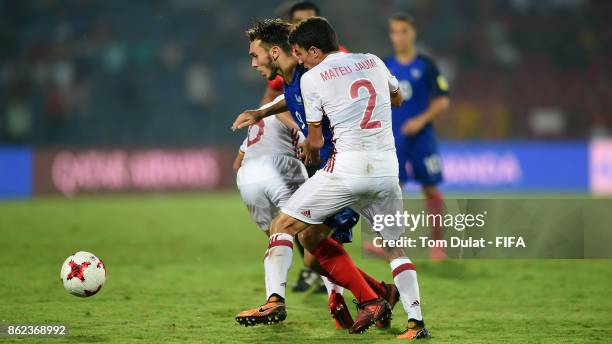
419,82
293,98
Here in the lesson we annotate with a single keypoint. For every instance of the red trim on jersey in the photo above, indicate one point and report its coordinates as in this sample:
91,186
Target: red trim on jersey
407,266
343,49
295,141
277,84
331,162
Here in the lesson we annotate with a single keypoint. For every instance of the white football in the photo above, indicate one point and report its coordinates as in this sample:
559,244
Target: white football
83,274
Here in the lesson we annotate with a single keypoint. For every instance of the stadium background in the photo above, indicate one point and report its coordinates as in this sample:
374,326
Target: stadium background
534,76
100,97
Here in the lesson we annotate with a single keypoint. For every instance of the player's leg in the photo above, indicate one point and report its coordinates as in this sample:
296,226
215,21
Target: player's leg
427,170
320,196
254,195
329,196
434,203
341,228
263,199
389,201
341,270
307,276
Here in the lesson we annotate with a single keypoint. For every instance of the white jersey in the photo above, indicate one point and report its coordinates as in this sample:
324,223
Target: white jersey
353,91
269,136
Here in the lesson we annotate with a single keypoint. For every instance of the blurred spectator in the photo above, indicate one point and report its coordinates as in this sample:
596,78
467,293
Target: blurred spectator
174,72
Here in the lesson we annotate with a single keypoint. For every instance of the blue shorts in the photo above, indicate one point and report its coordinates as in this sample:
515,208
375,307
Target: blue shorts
419,160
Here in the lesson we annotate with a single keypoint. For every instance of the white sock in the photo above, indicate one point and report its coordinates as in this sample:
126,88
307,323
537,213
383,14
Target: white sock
266,262
405,278
331,286
280,254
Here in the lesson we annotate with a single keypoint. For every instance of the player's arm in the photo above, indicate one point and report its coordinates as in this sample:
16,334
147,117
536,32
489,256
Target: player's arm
437,105
287,120
396,98
313,107
315,140
250,117
313,144
394,90
238,161
239,156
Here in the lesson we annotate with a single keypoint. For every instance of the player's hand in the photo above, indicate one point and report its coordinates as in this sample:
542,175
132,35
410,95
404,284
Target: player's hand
412,126
311,157
249,117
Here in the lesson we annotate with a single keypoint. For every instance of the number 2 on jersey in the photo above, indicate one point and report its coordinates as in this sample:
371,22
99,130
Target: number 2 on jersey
367,115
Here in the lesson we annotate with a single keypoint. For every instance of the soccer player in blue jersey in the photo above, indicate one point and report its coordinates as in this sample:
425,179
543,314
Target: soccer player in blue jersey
425,93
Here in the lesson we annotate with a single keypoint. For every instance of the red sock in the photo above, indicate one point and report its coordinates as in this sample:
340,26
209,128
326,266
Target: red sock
434,206
341,269
373,283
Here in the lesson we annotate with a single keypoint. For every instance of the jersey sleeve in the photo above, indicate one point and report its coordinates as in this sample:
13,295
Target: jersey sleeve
276,84
391,79
312,100
438,86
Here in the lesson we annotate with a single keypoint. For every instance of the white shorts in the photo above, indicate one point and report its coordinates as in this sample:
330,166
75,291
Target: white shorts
326,193
266,183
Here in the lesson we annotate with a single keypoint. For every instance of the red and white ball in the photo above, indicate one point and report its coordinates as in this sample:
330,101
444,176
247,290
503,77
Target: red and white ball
83,274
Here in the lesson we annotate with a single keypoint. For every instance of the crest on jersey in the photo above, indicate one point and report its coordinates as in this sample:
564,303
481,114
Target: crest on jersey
442,83
416,73
299,118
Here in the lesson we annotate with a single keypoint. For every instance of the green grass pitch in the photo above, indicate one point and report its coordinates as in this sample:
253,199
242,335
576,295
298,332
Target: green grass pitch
181,266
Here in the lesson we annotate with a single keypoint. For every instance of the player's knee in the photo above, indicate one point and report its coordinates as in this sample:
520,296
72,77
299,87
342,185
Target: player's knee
284,224
391,253
311,237
431,192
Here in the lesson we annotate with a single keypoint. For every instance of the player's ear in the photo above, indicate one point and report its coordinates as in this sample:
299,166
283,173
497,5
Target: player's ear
314,51
275,52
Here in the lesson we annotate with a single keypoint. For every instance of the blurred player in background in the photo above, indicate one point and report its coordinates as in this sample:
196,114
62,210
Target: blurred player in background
307,277
425,93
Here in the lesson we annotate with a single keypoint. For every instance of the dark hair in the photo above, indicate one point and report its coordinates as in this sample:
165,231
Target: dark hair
315,32
405,17
271,32
303,6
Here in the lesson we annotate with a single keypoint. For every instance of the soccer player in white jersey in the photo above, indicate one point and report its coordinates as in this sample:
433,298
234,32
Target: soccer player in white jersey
268,173
355,92
268,169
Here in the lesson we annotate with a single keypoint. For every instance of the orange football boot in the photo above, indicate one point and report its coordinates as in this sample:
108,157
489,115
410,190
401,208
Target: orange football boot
269,313
415,330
